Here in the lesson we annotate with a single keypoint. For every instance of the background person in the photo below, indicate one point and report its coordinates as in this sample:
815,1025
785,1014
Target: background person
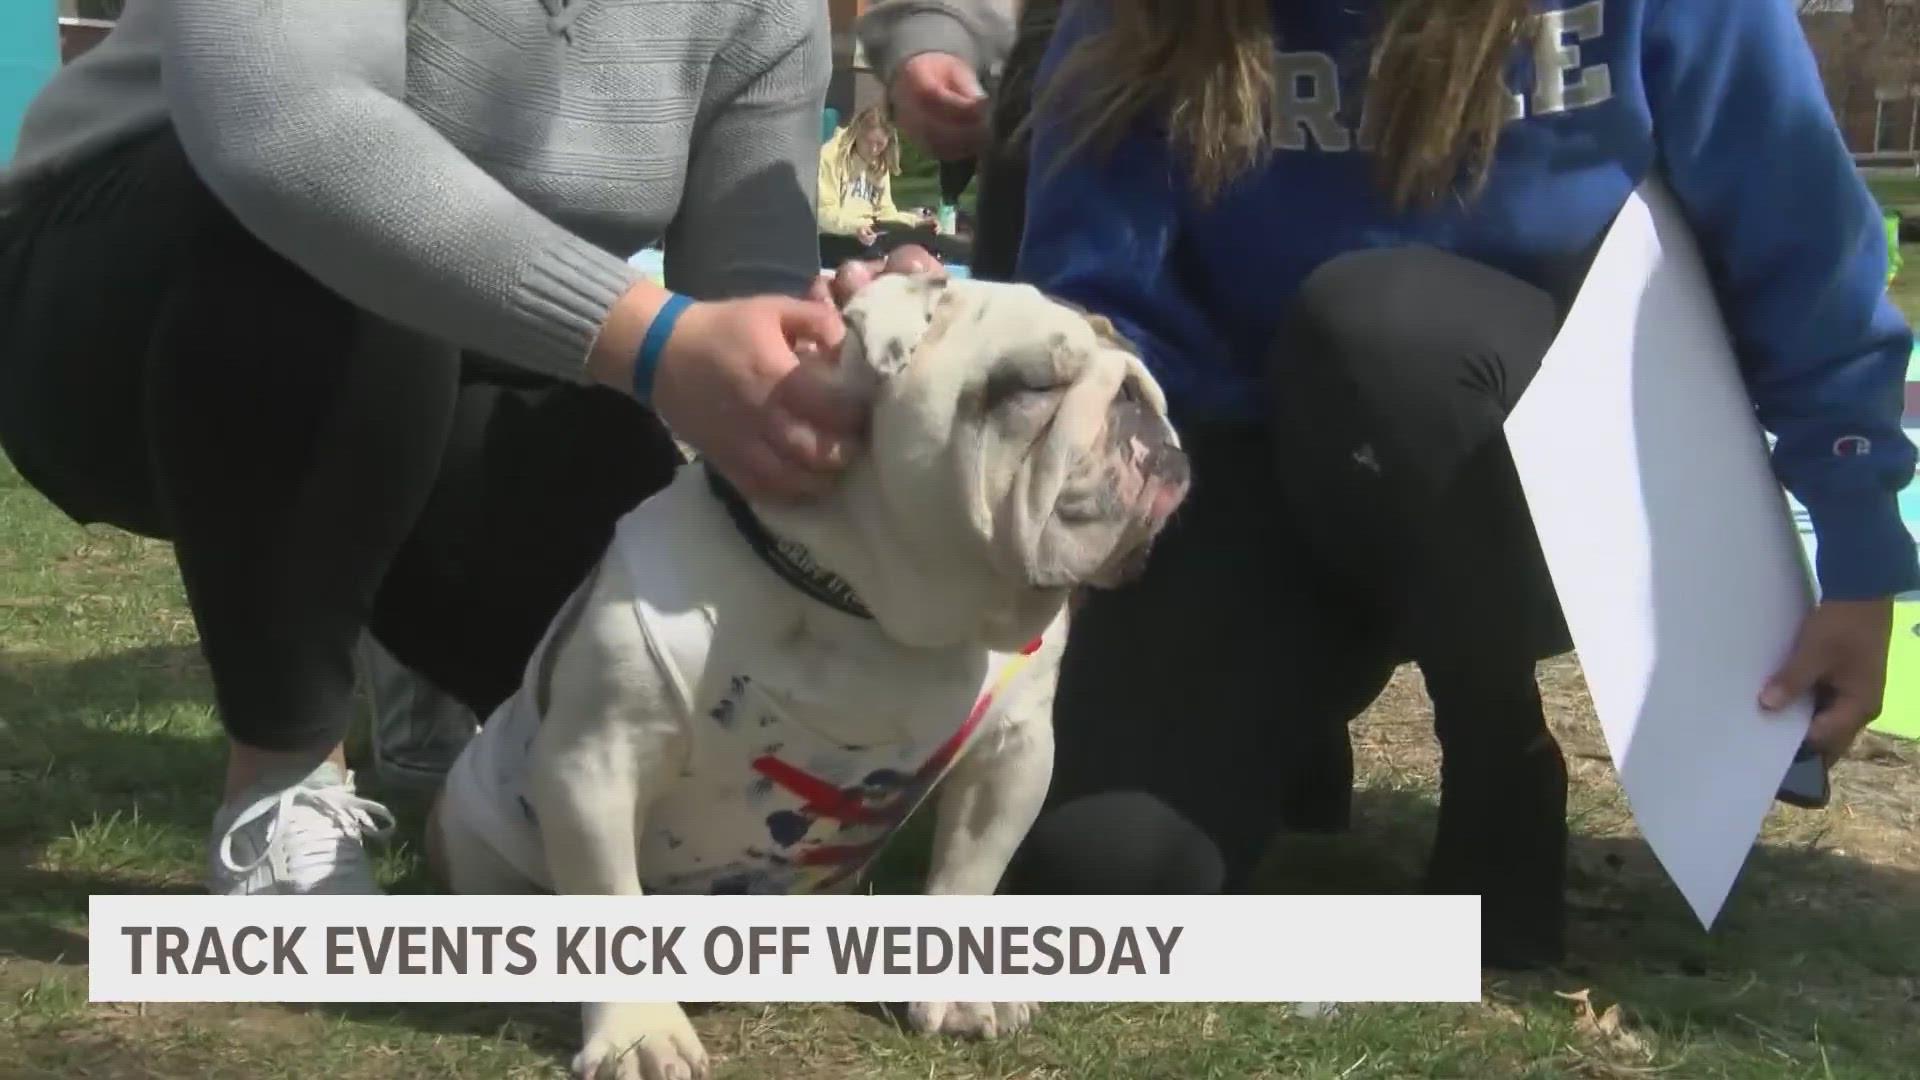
858,219
283,285
932,56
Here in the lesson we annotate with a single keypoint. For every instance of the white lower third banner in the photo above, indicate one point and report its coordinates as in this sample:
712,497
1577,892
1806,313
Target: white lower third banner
784,948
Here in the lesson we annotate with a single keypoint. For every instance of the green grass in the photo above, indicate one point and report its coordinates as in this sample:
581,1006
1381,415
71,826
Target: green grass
110,758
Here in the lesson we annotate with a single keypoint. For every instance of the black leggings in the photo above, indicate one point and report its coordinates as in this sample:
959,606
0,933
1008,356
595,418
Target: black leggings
1376,518
317,469
836,249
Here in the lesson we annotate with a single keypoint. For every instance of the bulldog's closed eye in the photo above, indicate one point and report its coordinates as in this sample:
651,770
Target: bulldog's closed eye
1004,385
1079,506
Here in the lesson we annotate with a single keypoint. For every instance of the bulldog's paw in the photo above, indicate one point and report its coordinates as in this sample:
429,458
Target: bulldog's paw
970,1019
635,1041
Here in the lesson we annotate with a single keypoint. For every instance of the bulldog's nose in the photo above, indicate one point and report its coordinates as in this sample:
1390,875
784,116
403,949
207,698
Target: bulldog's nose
1143,440
1168,464
1168,478
1166,498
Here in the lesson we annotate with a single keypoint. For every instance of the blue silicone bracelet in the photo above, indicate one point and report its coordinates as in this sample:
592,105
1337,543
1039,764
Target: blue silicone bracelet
647,363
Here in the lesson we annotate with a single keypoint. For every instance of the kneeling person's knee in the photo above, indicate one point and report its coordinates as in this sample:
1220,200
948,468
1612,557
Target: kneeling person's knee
1116,843
1396,326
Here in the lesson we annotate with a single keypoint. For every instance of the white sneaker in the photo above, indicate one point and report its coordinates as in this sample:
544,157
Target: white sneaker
308,838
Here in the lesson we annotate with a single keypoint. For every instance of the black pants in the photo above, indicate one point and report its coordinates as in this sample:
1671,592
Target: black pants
1377,517
836,249
317,469
954,178
999,215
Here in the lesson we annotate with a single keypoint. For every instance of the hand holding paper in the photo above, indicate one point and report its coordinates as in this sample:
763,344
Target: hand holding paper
1670,544
1840,656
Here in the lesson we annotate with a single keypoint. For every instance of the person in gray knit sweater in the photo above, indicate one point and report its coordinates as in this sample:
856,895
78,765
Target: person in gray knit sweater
333,295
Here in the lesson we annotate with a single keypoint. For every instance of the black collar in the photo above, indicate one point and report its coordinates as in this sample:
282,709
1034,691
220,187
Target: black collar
784,557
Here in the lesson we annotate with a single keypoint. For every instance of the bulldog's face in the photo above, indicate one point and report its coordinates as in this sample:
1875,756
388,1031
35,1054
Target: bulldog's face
1015,422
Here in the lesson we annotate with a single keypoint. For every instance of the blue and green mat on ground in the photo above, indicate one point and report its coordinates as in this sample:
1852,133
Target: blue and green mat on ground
1900,714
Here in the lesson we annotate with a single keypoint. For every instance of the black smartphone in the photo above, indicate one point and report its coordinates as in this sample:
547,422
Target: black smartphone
1806,785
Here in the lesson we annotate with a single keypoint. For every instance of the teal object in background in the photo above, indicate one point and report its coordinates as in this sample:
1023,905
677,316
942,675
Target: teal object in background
29,55
829,122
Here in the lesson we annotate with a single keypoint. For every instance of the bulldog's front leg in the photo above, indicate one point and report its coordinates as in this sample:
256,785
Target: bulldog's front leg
983,809
590,813
601,758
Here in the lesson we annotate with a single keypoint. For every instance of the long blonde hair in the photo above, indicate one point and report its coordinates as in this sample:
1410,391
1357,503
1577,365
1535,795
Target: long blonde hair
871,118
1436,92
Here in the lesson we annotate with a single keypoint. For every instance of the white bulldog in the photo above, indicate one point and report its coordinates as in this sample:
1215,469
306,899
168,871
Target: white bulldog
753,698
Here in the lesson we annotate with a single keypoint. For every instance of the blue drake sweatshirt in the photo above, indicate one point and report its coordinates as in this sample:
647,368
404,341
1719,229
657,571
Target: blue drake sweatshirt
1720,97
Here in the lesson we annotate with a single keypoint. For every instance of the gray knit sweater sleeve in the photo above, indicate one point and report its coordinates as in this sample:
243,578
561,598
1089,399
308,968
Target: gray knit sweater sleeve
746,224
294,115
978,31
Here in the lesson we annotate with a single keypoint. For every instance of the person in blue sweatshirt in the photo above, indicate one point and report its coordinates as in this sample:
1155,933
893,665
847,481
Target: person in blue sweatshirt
1342,234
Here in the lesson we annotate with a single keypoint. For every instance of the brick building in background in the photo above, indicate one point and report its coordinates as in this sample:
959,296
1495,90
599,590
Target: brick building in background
854,86
83,23
1869,53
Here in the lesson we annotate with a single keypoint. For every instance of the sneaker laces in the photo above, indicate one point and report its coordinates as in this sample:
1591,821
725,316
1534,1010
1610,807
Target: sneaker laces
309,824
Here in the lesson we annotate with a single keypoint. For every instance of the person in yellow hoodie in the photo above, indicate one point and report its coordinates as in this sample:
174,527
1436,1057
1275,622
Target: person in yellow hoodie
857,217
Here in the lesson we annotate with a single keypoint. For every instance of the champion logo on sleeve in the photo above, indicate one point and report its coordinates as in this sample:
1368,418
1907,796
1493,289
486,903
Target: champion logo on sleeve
1852,446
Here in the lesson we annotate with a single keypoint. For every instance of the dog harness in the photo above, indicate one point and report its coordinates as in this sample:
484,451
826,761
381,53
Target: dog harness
769,799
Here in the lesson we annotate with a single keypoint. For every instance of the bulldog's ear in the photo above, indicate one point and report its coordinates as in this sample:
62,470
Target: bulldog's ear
1140,382
886,322
1103,329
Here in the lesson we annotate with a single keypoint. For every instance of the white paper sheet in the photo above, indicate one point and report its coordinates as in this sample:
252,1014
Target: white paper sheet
1671,545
